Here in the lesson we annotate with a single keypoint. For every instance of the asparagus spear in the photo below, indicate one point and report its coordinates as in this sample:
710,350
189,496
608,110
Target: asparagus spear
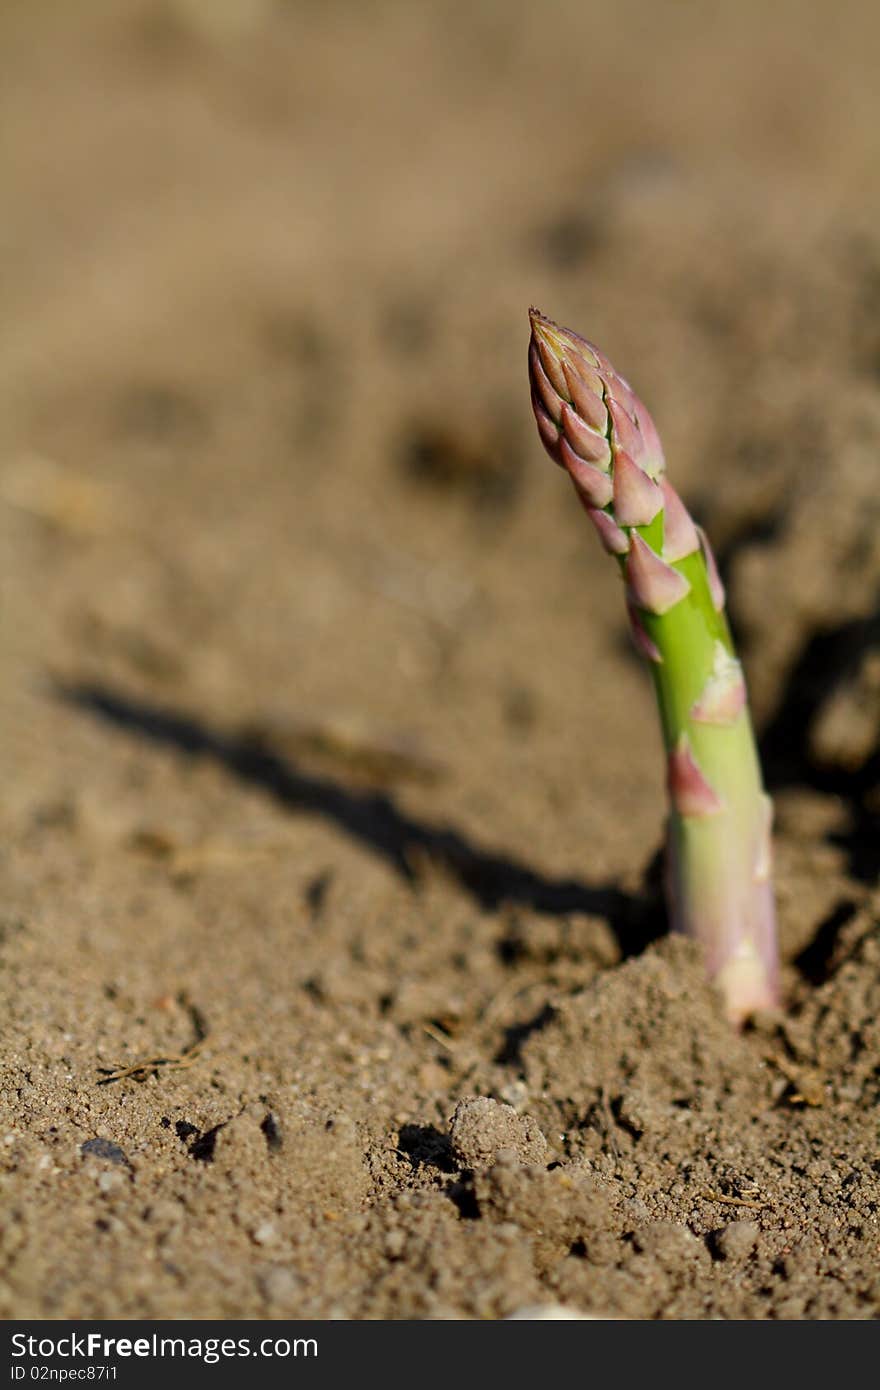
718,869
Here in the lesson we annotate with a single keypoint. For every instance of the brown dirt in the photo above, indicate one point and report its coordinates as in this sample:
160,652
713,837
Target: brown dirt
334,973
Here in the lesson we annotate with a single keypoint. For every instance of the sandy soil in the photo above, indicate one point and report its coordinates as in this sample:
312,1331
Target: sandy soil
334,970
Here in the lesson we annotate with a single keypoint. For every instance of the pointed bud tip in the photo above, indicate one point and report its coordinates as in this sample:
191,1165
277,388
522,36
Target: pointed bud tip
559,341
582,374
543,326
545,330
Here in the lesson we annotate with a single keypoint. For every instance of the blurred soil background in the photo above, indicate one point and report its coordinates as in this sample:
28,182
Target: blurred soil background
333,962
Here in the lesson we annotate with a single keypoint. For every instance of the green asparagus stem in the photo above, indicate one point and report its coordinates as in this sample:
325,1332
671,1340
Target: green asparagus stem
718,875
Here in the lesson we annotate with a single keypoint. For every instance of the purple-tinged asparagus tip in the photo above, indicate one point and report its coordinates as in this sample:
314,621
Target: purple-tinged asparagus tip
606,416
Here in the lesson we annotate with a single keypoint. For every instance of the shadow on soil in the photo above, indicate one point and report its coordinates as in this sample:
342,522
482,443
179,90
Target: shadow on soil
374,819
827,660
